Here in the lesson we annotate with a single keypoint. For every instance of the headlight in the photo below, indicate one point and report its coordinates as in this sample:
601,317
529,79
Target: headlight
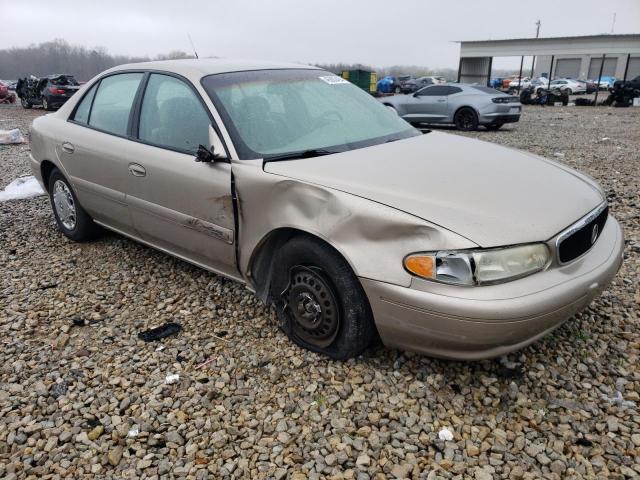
479,267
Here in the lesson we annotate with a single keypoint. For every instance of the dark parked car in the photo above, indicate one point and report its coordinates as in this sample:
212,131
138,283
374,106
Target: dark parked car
51,92
415,84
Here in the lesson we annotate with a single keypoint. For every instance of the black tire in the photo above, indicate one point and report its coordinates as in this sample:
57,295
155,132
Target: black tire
494,127
84,228
25,103
466,119
309,273
46,104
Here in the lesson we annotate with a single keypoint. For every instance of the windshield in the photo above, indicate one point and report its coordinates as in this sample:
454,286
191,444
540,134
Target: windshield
270,113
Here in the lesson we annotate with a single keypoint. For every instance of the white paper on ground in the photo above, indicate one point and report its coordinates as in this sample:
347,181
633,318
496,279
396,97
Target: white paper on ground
445,434
20,188
8,137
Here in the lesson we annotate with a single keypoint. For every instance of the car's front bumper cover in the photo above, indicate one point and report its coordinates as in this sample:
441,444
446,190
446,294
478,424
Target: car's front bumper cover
470,323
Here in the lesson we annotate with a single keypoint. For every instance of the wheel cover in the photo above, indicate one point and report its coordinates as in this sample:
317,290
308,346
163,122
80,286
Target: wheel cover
312,307
64,205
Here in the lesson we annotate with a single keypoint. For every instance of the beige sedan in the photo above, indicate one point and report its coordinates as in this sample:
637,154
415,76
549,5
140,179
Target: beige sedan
329,206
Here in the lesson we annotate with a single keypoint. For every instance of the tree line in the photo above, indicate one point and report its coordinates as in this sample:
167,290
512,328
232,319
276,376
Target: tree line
58,56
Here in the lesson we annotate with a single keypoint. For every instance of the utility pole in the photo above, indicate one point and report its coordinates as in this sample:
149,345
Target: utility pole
613,24
533,60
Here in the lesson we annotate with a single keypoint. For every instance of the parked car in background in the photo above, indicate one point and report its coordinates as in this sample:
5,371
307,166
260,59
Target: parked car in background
401,80
416,84
539,83
589,85
51,92
437,80
606,82
349,221
516,84
569,85
465,106
5,95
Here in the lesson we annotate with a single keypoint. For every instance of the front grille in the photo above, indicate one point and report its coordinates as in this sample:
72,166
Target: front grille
580,237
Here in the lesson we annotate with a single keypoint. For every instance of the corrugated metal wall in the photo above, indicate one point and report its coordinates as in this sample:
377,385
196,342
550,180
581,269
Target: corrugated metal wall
475,70
567,68
608,70
634,68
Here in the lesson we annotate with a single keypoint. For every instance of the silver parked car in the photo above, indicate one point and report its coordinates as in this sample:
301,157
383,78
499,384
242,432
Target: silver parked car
465,106
329,206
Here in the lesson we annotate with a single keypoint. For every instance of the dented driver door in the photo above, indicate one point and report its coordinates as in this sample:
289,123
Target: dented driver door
182,206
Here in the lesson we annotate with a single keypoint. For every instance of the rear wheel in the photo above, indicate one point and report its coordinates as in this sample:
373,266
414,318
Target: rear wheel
25,103
71,218
320,302
46,105
466,119
495,126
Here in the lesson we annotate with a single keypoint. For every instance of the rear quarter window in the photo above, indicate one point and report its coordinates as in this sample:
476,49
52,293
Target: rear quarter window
113,101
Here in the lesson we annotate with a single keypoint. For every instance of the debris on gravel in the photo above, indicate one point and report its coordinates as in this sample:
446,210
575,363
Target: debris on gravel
95,401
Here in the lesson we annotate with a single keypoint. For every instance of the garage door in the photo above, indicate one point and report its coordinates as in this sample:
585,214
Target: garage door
634,68
609,69
567,68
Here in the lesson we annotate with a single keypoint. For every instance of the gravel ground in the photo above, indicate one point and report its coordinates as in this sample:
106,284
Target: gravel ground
565,407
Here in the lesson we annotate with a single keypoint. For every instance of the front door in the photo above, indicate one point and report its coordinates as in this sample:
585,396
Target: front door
178,204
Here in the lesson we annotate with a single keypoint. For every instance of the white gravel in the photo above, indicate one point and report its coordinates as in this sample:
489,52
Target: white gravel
72,397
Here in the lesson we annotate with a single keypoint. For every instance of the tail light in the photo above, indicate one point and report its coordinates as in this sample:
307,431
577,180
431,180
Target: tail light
57,91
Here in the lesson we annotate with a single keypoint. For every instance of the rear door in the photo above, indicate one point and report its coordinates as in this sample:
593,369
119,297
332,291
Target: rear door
178,204
428,105
92,148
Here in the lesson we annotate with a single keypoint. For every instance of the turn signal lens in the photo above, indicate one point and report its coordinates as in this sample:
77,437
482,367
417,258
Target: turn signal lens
421,265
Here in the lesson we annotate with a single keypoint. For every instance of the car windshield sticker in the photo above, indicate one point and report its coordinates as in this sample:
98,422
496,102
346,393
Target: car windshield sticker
333,80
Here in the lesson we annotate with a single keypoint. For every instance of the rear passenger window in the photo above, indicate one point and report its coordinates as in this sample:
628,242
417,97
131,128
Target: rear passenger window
172,115
82,112
112,103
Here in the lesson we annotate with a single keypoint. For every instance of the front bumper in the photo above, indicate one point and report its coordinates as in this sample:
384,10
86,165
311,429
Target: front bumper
471,323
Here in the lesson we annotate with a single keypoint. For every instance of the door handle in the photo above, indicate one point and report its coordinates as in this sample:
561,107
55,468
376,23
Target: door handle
68,147
137,170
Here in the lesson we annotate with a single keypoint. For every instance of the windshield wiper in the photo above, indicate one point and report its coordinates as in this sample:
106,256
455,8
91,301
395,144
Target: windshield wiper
314,152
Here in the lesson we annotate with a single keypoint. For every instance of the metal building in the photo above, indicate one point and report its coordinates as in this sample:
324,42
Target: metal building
586,57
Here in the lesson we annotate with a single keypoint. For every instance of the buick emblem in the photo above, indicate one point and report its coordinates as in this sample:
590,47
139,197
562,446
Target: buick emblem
594,234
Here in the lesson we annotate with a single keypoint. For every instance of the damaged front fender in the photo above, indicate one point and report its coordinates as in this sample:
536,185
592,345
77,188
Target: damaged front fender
372,237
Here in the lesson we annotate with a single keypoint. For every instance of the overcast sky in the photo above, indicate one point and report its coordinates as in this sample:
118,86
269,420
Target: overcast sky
414,32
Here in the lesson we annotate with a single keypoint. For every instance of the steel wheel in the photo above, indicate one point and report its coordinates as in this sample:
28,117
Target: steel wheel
312,306
64,205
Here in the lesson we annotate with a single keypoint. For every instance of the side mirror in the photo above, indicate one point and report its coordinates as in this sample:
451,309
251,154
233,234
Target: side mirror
216,151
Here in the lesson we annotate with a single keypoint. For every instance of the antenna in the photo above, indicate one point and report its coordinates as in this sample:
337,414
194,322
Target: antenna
192,46
613,24
538,23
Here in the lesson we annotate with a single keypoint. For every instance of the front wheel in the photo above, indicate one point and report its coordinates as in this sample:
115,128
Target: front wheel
71,218
466,119
320,302
25,103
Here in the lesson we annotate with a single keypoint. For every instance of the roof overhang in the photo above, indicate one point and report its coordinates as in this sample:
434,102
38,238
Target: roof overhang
587,45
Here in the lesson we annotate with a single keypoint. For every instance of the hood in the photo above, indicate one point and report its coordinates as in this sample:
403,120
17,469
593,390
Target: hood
490,194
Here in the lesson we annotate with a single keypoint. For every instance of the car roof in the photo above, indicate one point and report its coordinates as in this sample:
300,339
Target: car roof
198,68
